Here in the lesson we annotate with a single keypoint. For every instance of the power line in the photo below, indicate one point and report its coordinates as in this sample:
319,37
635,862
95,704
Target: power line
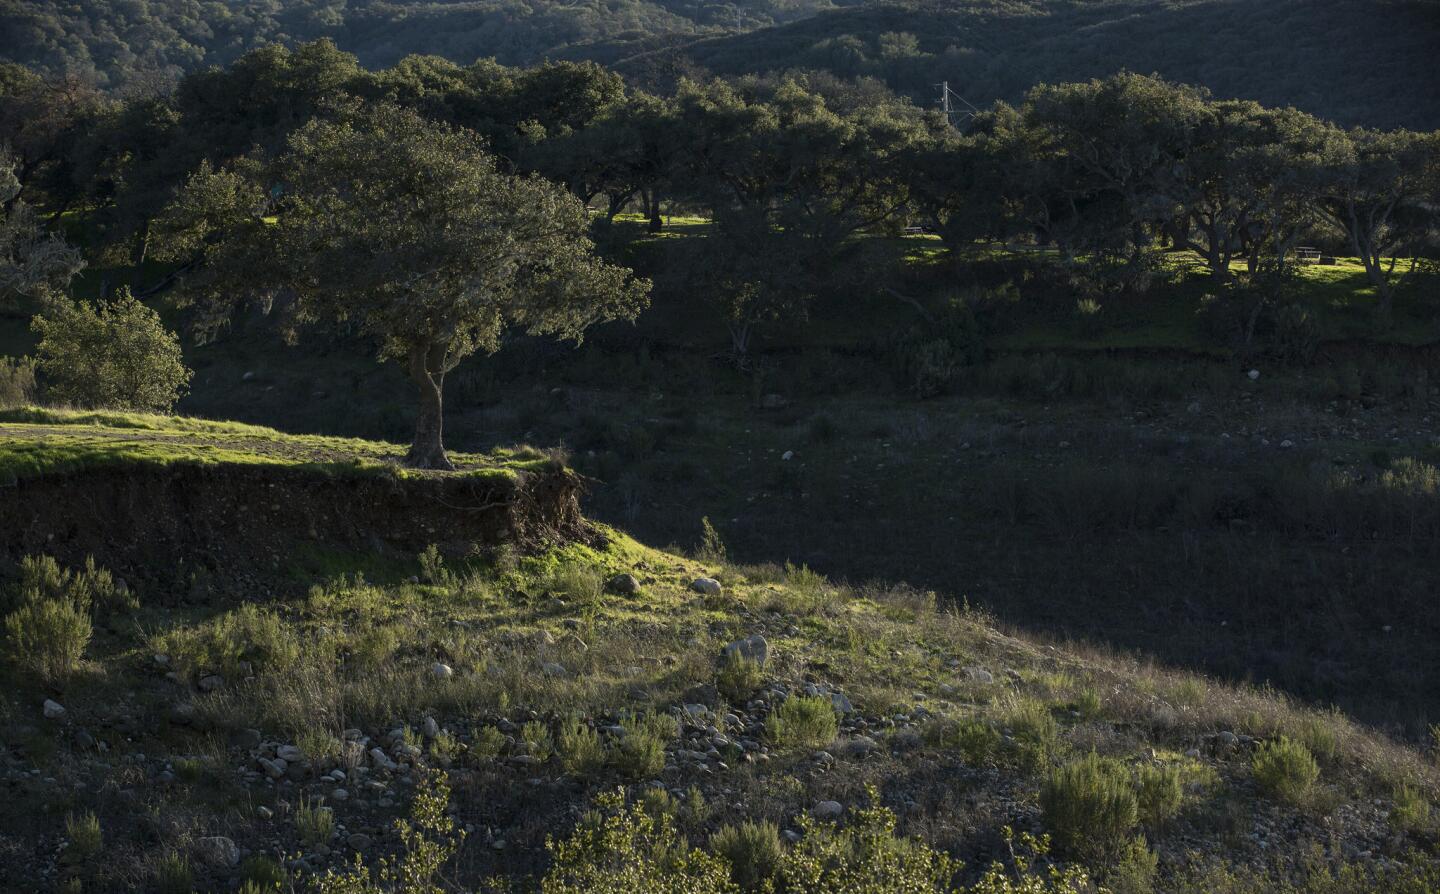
945,95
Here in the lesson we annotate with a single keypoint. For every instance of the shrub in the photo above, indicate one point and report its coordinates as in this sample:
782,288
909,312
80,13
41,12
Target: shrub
488,744
17,382
624,850
314,821
48,638
1412,811
863,857
1089,317
1033,733
803,722
432,566
428,840
84,834
1158,792
445,748
263,873
248,635
1090,806
1285,769
974,739
640,753
173,874
581,753
578,581
712,547
539,744
738,677
752,849
115,355
90,589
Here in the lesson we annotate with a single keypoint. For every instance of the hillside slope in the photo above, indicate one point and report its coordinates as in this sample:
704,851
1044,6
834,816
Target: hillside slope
1367,63
262,737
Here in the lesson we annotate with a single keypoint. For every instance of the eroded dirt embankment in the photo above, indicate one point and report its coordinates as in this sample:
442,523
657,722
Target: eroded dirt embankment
174,526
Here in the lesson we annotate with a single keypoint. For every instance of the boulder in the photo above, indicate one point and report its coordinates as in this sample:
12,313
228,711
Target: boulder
53,710
827,810
756,648
218,851
624,584
707,586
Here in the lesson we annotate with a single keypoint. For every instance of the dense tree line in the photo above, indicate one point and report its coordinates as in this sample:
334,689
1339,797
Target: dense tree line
792,173
1356,63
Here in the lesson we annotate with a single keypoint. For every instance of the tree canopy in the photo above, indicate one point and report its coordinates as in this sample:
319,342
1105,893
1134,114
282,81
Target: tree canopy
404,230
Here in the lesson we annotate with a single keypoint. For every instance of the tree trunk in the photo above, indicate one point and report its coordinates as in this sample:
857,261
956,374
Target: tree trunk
656,224
142,245
427,451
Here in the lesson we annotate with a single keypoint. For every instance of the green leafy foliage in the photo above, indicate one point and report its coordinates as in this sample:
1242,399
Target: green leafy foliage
1090,806
803,721
1285,769
116,355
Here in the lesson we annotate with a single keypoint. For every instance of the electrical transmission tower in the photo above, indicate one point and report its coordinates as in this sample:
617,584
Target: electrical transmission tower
946,94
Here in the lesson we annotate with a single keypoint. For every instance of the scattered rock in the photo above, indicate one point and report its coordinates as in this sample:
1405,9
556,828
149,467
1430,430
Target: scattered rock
756,648
430,728
861,746
827,810
211,682
272,768
708,586
289,753
979,675
624,584
1253,374
841,703
53,710
441,670
551,669
358,841
217,850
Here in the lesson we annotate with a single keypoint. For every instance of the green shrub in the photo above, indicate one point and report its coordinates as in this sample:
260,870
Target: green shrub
1033,734
738,677
47,638
863,856
1412,813
1286,770
445,748
84,834
249,635
712,546
752,849
315,822
489,742
577,581
263,873
432,567
539,744
428,841
976,741
640,753
624,850
803,722
115,355
581,753
1090,806
17,382
173,874
1158,792
90,589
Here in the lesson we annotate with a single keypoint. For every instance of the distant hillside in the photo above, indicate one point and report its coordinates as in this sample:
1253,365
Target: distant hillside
1358,63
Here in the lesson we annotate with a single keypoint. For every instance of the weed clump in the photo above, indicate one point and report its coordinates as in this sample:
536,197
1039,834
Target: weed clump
640,753
83,830
1090,806
803,722
752,849
1158,793
1286,770
579,747
738,677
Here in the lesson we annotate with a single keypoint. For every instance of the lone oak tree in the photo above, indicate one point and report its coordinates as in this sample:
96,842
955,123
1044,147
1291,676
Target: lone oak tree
401,229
